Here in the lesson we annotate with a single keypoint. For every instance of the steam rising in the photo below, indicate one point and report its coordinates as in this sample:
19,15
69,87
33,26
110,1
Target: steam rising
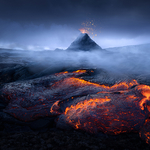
125,60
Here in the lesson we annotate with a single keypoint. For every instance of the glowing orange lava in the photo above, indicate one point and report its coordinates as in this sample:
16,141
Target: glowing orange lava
77,72
145,131
85,105
113,109
60,73
82,30
54,108
145,90
110,113
80,71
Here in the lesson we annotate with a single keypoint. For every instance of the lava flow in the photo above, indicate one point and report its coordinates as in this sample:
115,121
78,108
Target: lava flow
120,108
81,104
107,112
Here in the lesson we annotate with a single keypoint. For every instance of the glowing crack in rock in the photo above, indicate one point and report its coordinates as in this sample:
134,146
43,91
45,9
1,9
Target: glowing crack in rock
122,107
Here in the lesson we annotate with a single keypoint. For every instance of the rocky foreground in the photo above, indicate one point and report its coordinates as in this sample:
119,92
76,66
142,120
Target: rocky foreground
44,132
56,139
24,124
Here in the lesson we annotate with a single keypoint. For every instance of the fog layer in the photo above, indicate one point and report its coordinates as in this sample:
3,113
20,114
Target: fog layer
125,60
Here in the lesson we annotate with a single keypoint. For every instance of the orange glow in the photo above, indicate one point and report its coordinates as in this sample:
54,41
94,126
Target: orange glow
79,82
145,131
82,30
106,111
89,28
145,90
80,71
54,108
84,105
65,72
104,114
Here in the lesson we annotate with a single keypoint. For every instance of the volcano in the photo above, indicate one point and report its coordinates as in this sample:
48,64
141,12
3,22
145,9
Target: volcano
84,43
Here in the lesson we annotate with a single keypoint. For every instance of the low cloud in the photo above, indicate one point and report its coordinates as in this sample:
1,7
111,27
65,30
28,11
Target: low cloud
35,37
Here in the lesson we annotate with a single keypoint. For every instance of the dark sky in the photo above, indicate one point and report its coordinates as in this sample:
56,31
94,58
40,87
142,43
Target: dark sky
31,24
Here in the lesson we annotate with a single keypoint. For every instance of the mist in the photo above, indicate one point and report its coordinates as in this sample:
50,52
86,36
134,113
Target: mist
128,60
123,61
30,36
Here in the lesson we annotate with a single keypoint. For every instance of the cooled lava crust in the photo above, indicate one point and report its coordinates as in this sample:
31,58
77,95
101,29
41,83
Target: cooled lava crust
81,104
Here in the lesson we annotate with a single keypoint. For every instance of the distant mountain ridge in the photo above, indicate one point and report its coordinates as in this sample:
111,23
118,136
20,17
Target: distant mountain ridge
131,48
84,43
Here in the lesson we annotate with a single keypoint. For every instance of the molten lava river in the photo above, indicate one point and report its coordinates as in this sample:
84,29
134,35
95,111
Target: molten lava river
80,104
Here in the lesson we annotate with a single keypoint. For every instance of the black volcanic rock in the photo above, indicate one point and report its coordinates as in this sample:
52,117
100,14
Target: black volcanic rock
85,43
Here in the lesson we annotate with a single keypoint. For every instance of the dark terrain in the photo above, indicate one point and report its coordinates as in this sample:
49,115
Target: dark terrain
31,82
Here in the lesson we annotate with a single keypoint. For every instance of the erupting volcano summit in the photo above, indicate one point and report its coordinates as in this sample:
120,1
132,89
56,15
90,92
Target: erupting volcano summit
84,43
